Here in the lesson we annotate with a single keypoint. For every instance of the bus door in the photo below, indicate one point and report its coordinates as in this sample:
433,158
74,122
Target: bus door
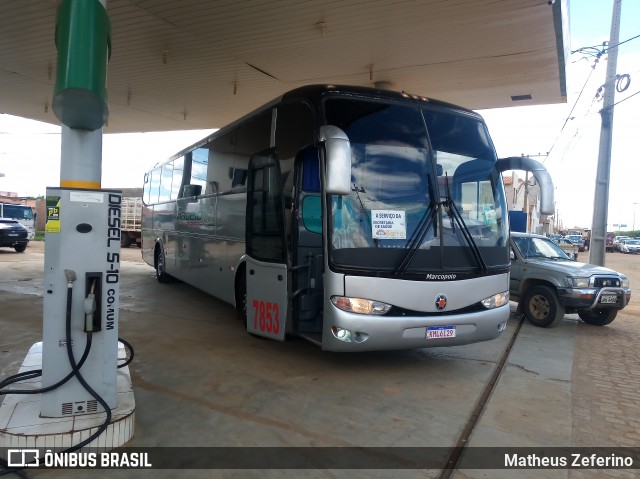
308,261
266,267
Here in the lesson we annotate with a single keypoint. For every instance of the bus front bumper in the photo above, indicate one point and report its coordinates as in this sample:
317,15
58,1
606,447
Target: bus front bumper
350,332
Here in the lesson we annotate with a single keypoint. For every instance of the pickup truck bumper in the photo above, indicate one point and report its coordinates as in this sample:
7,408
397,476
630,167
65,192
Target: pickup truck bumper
590,298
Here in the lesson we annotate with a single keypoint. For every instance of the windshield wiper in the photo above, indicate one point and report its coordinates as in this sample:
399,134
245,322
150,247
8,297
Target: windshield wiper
418,236
456,218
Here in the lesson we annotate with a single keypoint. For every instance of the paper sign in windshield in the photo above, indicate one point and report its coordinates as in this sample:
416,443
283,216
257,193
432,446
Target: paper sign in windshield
388,224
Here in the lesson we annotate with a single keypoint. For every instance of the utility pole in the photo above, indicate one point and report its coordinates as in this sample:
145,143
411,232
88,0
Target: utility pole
601,196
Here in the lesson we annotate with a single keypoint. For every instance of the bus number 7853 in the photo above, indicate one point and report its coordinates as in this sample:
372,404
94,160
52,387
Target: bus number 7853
266,317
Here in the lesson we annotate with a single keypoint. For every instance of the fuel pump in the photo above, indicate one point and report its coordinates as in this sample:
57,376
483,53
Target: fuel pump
82,277
79,351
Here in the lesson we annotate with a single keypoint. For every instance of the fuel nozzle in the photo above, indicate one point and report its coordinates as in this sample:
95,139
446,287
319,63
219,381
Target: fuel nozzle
92,319
71,277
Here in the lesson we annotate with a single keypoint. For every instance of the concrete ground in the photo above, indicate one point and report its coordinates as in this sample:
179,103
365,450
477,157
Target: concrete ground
200,380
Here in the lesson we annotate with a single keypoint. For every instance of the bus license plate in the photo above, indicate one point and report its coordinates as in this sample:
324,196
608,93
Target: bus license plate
441,332
608,299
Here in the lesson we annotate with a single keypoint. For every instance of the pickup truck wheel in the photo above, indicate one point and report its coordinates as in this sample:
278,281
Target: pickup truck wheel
542,307
20,248
598,317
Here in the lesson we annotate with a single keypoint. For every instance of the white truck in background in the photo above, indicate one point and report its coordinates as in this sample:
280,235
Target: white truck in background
23,214
130,232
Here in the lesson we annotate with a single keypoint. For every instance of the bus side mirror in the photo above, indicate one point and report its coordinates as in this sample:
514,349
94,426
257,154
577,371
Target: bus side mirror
191,191
547,200
338,154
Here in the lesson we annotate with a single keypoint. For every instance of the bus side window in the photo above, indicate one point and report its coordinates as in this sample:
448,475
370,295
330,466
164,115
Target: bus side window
199,165
166,179
310,170
154,186
265,229
178,178
295,129
311,204
251,137
221,158
312,213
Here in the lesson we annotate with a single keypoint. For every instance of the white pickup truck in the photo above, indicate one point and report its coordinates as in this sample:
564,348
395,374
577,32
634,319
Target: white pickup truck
547,284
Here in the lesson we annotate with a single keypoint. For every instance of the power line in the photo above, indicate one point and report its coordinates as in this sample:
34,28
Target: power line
625,41
602,48
569,117
625,99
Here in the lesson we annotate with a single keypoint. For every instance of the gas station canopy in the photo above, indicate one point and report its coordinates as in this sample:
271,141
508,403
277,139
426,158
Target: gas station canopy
198,64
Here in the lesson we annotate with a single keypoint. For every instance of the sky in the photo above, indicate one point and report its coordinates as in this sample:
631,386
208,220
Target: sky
565,136
573,147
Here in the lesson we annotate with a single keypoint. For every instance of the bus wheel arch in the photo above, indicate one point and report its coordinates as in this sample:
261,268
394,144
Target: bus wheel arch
160,265
241,292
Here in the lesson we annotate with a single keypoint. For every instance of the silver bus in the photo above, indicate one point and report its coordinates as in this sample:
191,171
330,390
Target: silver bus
356,218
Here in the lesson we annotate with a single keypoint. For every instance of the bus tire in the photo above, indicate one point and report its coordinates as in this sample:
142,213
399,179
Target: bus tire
542,307
161,275
241,296
598,317
20,248
125,240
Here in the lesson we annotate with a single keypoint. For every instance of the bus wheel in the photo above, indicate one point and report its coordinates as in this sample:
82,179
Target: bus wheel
241,297
161,274
598,317
542,307
125,241
20,248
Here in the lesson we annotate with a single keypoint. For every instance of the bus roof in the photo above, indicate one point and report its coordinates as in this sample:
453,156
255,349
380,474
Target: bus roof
315,93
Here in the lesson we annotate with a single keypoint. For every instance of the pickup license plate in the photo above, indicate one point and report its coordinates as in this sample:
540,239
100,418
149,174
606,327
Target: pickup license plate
608,299
441,332
13,234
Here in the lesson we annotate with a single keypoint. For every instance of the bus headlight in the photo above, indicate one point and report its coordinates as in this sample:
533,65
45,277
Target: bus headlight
360,305
496,300
342,334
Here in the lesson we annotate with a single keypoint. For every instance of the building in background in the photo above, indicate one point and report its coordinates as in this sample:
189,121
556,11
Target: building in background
523,195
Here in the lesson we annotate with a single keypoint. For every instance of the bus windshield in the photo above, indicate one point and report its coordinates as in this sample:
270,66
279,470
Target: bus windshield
423,181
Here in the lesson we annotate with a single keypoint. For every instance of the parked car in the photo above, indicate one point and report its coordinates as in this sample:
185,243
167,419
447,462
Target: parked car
568,247
555,238
617,240
630,246
547,284
577,240
13,235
